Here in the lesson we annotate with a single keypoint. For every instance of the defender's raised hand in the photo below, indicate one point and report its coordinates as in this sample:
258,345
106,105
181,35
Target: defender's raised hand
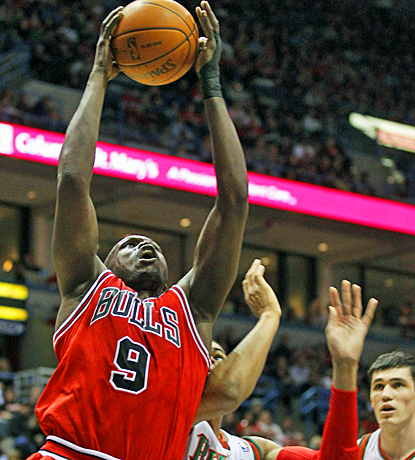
259,295
347,328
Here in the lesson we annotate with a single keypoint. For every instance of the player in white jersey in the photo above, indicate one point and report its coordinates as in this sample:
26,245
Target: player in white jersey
392,395
345,332
204,444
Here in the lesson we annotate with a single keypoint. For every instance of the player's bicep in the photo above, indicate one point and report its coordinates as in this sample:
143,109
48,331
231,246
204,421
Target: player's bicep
75,237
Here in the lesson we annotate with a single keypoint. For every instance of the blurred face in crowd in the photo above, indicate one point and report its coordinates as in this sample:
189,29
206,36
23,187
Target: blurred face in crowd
392,395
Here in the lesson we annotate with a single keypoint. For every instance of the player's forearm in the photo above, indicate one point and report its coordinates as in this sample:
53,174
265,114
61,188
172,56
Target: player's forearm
78,151
339,436
340,428
249,356
228,156
345,374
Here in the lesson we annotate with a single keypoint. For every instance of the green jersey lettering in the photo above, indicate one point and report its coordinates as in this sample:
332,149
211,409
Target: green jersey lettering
202,448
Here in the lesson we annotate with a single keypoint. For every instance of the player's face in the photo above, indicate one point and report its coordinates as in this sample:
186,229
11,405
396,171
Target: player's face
140,262
392,394
217,355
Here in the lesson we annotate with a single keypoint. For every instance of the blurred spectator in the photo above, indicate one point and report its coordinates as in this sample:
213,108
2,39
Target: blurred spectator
14,454
268,429
407,321
300,372
390,314
315,442
291,435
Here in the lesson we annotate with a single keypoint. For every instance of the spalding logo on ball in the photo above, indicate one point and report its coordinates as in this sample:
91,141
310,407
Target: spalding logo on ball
155,42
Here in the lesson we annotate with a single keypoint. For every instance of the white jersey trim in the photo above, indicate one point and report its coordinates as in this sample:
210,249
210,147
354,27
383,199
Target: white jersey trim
51,454
81,450
191,323
79,310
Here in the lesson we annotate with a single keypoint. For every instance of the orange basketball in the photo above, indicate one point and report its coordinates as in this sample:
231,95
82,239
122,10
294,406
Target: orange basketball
155,42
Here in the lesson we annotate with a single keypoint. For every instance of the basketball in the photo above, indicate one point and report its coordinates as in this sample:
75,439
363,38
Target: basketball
155,42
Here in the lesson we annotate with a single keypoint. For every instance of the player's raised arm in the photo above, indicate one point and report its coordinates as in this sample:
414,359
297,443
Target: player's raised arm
75,233
345,332
218,249
234,379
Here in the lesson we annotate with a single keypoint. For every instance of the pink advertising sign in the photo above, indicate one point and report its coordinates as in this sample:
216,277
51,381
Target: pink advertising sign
178,173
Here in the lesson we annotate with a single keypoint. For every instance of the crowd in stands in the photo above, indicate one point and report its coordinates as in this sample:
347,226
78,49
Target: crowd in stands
292,72
20,434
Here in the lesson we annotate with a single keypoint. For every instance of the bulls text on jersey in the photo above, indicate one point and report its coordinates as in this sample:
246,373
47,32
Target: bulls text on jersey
126,304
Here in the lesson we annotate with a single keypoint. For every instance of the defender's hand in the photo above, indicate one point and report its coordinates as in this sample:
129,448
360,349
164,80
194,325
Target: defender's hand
259,295
347,328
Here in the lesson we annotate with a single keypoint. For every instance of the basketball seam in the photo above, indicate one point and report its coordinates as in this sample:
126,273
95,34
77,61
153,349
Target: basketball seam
181,67
154,28
165,7
163,55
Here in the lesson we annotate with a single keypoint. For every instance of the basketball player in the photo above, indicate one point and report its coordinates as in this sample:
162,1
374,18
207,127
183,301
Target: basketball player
132,353
392,395
345,332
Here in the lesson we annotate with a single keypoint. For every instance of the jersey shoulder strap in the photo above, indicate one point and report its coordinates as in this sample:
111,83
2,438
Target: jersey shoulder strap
362,445
255,448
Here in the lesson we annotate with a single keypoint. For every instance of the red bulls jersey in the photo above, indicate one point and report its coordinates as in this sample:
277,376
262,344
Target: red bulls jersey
130,376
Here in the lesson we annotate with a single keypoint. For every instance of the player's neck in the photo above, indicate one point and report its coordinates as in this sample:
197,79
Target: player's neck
216,423
398,443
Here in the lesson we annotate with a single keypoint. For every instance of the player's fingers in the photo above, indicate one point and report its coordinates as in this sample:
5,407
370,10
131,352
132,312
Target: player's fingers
335,298
346,298
370,312
357,301
202,44
245,288
110,22
207,27
260,271
333,316
212,17
252,269
251,278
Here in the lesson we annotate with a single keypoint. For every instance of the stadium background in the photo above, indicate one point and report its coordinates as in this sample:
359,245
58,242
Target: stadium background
292,72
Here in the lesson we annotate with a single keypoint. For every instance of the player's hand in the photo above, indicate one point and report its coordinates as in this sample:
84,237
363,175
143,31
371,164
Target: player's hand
347,328
103,56
210,46
259,295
